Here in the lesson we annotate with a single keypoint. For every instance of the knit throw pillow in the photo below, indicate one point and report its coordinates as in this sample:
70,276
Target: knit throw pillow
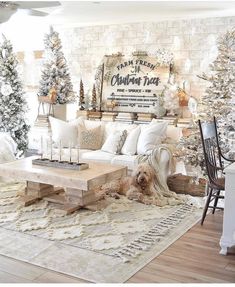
89,139
115,142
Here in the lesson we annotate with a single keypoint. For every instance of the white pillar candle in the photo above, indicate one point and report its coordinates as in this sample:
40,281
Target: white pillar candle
60,151
70,152
77,154
41,147
51,151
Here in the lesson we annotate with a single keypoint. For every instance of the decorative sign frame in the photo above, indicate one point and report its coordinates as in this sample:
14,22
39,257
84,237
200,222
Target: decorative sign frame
136,83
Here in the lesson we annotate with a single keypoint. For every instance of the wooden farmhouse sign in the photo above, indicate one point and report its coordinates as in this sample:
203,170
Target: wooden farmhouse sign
134,84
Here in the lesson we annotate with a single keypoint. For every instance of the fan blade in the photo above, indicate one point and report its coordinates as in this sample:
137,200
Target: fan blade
5,14
32,12
36,4
4,17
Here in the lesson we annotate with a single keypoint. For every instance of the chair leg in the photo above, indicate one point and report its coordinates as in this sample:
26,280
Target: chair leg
207,189
206,205
215,201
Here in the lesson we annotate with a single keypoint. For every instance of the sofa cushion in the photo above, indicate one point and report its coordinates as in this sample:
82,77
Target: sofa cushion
64,132
174,133
110,127
97,155
115,142
127,160
89,124
151,135
130,145
89,138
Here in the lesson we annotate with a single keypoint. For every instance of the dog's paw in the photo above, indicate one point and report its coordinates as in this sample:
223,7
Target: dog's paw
161,201
114,195
136,196
148,200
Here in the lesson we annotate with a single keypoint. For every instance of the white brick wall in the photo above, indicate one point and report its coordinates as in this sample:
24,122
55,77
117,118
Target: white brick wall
191,41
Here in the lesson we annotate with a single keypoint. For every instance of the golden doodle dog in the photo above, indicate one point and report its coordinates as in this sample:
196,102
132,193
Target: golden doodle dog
135,187
140,187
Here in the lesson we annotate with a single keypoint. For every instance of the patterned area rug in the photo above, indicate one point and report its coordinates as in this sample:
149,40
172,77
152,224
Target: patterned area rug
105,246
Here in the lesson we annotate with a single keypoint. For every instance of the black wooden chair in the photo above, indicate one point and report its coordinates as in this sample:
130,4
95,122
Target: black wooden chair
221,155
214,164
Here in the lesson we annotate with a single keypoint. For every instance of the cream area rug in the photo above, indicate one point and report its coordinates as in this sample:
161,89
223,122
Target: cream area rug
104,246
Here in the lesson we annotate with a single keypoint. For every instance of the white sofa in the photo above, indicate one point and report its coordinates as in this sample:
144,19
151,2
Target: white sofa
173,135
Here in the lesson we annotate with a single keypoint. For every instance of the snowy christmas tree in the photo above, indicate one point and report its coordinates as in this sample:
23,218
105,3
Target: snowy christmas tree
55,71
12,100
218,100
93,99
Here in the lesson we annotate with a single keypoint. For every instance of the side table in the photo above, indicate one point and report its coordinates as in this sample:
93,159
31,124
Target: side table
228,235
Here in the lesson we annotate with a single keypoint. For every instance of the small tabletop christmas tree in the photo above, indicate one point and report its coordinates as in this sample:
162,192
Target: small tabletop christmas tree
93,99
55,71
13,104
81,97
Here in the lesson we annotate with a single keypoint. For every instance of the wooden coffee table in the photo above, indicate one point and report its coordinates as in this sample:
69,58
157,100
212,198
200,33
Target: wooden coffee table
76,188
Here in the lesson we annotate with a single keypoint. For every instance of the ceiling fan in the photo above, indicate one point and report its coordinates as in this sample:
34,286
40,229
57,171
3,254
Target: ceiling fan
8,8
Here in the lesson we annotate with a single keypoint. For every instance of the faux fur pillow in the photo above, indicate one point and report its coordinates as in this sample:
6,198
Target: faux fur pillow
89,139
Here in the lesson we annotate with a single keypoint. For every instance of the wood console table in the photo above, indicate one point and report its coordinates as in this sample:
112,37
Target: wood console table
228,235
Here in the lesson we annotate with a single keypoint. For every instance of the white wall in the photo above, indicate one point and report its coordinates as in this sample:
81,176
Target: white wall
193,43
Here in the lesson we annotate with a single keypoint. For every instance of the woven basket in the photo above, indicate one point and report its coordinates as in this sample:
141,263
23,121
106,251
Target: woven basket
180,183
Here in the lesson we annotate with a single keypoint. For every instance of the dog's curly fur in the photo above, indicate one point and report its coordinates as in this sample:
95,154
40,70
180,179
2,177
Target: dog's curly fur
140,187
135,187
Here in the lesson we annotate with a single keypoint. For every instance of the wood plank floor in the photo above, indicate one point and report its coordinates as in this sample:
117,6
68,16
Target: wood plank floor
193,258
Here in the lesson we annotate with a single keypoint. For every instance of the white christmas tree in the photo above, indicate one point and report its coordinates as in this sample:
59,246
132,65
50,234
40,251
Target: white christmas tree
55,72
12,99
218,100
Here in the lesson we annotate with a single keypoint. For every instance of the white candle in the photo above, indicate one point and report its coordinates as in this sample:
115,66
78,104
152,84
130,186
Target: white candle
51,146
77,154
70,152
41,147
60,150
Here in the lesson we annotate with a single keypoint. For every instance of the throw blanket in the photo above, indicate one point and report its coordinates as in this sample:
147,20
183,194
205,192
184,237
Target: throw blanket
163,195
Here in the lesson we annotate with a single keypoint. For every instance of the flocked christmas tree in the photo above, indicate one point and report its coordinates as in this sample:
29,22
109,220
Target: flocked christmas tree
218,100
93,99
81,97
12,98
55,71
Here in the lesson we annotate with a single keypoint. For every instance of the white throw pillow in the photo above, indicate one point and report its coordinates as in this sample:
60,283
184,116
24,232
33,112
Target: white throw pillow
65,132
110,127
130,145
115,142
174,133
89,138
150,136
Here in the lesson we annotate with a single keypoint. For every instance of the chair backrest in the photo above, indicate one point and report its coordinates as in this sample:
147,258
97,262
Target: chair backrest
217,141
210,146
